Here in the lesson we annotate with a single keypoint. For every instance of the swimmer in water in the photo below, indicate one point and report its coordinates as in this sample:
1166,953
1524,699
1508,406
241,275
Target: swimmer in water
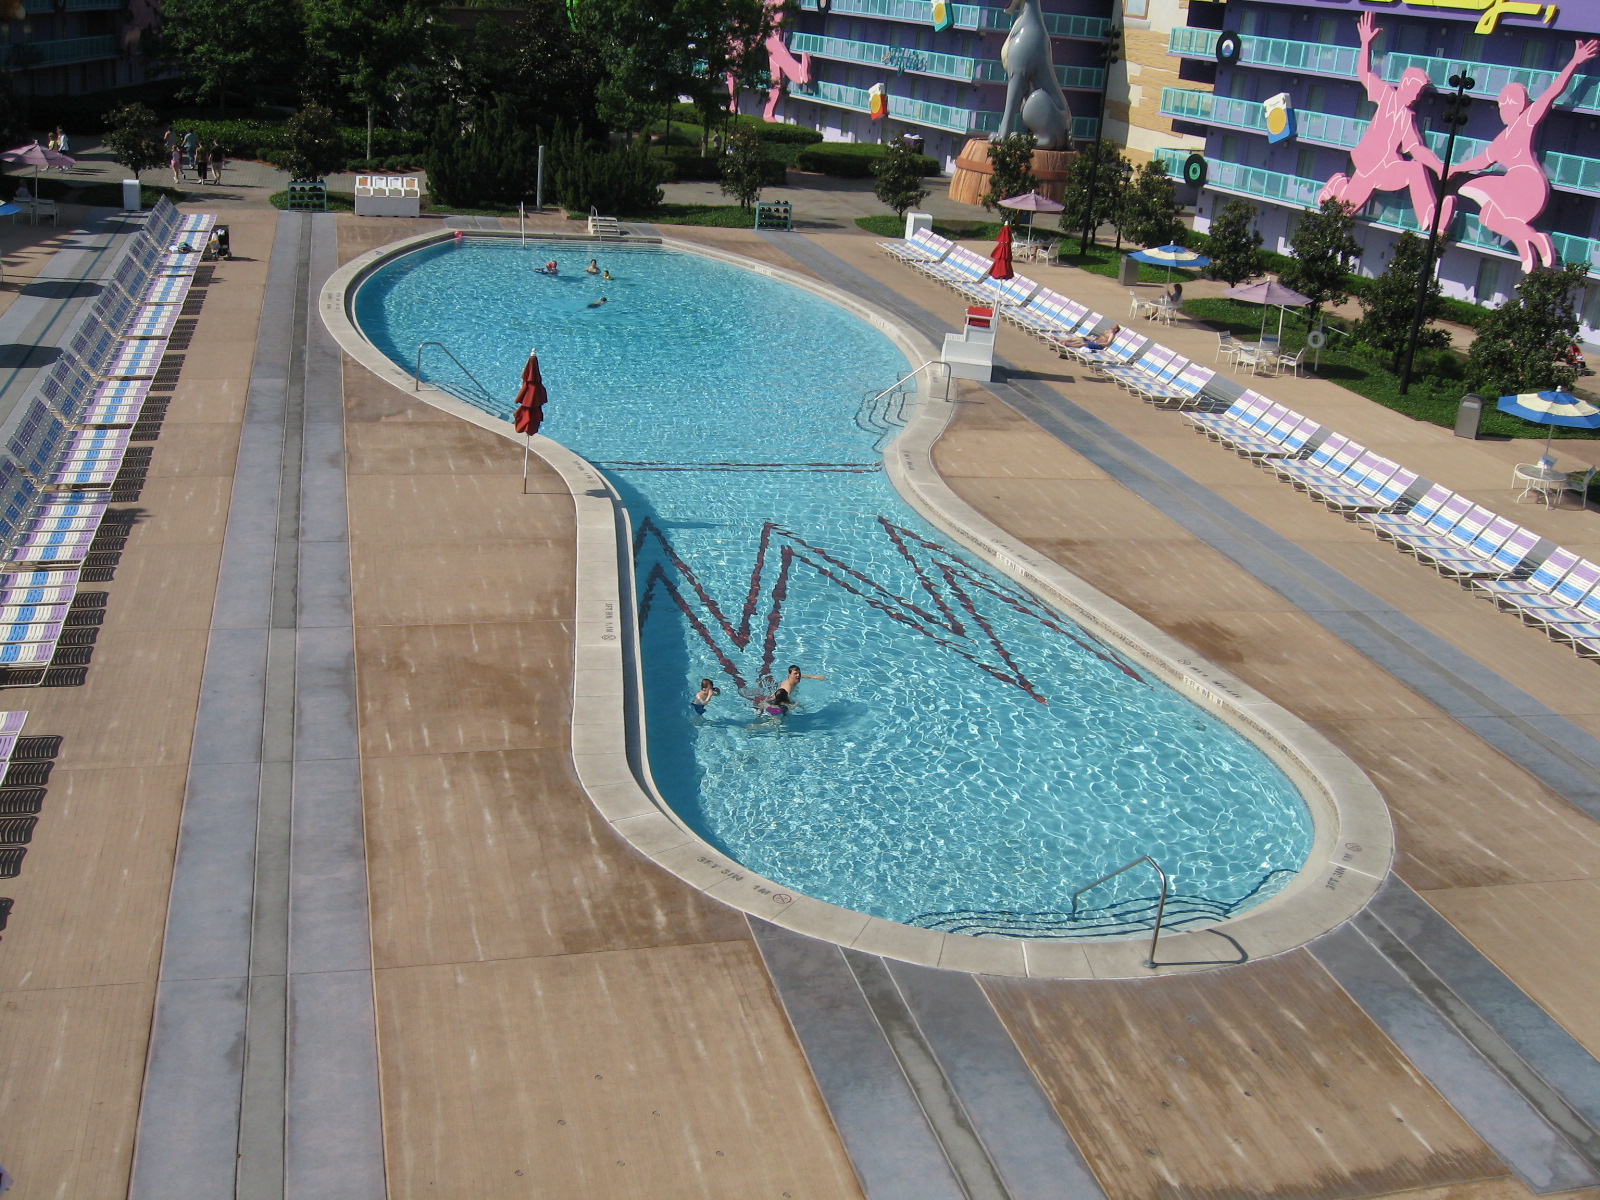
607,275
776,705
703,697
791,681
550,268
596,303
593,268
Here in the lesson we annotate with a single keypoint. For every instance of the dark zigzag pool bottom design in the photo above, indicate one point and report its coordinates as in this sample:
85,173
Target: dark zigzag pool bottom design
972,756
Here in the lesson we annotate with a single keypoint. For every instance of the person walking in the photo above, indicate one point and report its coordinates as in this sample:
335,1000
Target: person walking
218,158
191,143
175,160
202,166
63,145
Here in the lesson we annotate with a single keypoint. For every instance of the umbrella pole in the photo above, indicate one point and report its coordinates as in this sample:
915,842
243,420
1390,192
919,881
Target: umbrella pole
527,444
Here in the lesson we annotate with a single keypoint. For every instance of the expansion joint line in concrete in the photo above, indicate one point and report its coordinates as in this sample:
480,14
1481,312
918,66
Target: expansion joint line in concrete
261,1078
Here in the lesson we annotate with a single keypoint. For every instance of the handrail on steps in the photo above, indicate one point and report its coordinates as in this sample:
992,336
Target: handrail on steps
932,362
416,375
1161,905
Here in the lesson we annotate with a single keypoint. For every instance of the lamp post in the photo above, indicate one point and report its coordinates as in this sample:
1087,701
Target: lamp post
1109,52
1455,116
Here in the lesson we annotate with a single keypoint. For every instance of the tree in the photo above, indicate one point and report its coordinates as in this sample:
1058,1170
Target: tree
1110,180
1324,252
1390,300
899,178
359,52
314,147
744,168
613,179
1013,171
1151,215
490,159
1523,345
132,138
225,46
651,52
1234,244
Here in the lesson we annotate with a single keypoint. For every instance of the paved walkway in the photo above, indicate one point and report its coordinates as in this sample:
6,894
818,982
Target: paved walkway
557,1017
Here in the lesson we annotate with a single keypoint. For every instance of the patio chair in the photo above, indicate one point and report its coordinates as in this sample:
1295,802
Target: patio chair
1228,348
1292,363
1137,304
1578,482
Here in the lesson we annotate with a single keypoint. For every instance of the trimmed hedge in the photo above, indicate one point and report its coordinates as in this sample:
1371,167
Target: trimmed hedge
851,160
686,167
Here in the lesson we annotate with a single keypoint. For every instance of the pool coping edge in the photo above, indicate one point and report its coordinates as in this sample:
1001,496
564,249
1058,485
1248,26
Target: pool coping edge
1353,843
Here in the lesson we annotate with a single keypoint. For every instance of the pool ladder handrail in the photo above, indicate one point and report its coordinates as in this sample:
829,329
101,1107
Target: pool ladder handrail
932,362
1161,904
416,375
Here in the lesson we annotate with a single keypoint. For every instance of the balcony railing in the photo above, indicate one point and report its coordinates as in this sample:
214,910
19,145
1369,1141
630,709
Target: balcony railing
902,108
1395,213
896,58
965,16
29,56
928,62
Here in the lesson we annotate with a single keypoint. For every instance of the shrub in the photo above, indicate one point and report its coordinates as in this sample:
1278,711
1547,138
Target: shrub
694,166
774,133
612,179
492,159
851,160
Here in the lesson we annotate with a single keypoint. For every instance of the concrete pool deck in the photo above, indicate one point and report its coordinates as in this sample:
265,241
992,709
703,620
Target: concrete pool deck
556,1017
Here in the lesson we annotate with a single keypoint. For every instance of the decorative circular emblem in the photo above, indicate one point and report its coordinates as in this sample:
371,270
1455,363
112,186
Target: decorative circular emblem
1228,48
1194,170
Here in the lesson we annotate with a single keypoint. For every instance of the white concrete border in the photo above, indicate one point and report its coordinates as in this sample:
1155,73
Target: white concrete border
1354,840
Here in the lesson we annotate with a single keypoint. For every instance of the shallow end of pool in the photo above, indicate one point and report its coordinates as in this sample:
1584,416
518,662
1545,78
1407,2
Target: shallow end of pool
1353,843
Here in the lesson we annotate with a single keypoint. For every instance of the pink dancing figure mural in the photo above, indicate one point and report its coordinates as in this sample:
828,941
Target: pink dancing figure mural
1377,160
1508,204
782,65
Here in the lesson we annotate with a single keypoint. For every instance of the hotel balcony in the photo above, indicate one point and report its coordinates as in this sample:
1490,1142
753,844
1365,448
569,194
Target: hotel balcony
966,16
30,56
1339,62
928,62
1566,172
919,112
1294,191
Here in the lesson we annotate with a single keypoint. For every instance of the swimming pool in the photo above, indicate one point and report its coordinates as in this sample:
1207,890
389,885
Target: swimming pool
971,757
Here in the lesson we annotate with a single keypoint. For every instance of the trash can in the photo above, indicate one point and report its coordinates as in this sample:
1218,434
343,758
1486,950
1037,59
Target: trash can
130,195
1469,415
1128,272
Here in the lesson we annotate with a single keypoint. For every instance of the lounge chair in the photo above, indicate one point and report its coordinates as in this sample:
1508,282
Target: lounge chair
1543,582
1490,556
924,246
1357,488
1255,431
1324,465
1085,327
1468,525
1285,440
962,266
1410,519
1237,415
1187,389
1124,348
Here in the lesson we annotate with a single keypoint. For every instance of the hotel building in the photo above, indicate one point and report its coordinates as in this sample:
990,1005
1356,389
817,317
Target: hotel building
1240,62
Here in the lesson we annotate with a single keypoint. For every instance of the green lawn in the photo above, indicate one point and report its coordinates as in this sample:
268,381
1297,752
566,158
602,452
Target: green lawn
1437,379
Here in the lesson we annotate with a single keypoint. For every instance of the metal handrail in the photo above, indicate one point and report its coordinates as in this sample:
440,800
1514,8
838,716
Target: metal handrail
416,375
1161,905
932,362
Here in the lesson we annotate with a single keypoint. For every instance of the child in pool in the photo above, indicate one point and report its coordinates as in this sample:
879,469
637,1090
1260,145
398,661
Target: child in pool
550,268
703,697
607,275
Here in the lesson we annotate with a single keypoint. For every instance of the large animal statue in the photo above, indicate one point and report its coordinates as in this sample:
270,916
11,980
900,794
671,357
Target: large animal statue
1033,92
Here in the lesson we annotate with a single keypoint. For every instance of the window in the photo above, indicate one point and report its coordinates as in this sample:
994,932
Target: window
1249,24
1230,148
1413,39
1534,54
1488,281
1238,85
1306,165
1328,31
1317,97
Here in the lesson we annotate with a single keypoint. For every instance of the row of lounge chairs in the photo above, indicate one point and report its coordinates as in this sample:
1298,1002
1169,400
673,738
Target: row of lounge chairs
59,467
1132,361
1493,555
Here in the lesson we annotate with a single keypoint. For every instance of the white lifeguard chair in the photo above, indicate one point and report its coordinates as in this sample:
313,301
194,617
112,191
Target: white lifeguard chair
970,353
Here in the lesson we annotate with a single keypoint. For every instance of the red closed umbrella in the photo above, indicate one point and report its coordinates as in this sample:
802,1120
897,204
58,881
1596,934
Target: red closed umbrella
1002,255
531,399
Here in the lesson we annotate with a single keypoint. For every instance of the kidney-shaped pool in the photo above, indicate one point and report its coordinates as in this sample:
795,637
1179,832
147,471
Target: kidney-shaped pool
970,757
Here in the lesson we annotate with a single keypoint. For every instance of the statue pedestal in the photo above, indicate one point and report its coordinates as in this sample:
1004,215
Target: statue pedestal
973,168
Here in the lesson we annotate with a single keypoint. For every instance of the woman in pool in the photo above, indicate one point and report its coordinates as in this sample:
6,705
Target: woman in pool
776,705
703,697
593,268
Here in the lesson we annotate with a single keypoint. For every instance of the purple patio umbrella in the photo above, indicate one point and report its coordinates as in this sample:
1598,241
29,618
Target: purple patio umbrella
1268,291
1032,202
37,156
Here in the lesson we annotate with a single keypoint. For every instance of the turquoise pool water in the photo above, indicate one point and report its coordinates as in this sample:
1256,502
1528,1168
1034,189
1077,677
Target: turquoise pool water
971,757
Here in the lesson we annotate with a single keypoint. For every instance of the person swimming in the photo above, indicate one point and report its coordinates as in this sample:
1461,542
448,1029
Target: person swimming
550,268
791,681
703,697
593,268
596,303
776,705
607,275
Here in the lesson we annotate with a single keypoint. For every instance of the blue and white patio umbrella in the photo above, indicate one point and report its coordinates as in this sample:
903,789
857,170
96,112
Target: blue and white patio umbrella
1171,256
1552,409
